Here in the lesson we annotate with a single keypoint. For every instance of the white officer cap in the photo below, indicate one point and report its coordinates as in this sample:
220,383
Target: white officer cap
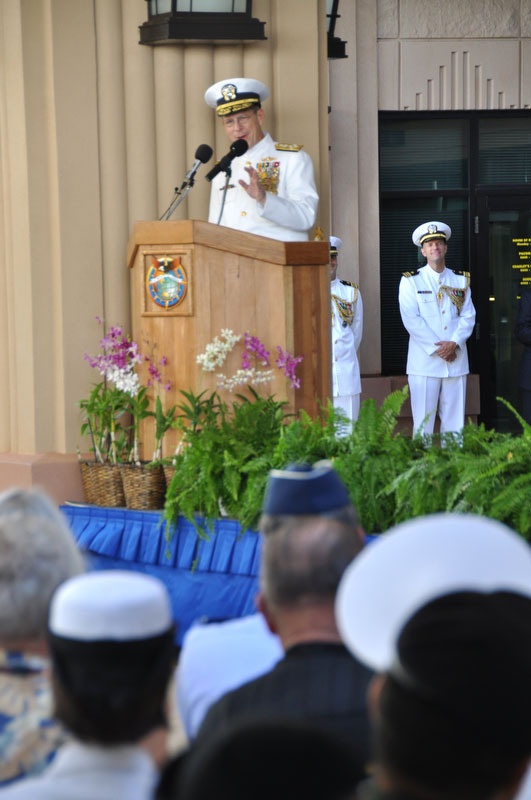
335,245
235,94
431,230
416,562
110,605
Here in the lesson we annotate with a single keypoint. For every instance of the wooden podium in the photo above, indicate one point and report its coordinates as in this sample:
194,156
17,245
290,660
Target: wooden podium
192,279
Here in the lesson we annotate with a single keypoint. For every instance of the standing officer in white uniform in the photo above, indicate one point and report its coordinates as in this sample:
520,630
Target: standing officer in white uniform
437,311
347,330
271,191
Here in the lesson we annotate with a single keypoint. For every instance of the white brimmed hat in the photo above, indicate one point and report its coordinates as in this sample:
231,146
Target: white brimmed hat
110,605
335,245
235,94
431,230
416,562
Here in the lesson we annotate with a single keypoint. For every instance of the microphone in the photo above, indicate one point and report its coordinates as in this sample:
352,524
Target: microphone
237,148
202,155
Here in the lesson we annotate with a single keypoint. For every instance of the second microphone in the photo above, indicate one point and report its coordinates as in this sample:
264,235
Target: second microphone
237,148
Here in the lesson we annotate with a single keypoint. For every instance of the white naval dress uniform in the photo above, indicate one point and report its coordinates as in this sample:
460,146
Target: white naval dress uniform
82,771
436,307
290,207
242,649
346,339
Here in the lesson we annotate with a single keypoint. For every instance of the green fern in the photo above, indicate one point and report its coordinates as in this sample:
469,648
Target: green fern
372,456
228,451
307,440
512,505
220,444
375,427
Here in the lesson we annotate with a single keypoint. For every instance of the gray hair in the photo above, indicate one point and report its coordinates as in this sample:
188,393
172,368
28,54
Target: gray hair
303,560
269,523
37,553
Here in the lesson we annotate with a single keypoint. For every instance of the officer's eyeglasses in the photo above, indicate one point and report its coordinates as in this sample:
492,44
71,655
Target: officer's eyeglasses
240,121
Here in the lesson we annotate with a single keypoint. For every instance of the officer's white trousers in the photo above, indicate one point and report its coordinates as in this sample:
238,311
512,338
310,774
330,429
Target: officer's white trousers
443,395
350,405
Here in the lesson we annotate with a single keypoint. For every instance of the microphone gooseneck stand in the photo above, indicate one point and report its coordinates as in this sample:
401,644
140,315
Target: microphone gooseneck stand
228,174
202,155
178,198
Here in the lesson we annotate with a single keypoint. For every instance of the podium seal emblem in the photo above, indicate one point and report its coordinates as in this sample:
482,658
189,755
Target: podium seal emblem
166,281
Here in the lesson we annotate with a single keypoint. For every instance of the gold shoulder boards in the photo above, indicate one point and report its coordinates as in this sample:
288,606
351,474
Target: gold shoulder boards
349,283
410,274
293,148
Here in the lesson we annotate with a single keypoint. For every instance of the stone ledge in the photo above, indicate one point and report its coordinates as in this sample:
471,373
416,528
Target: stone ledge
56,473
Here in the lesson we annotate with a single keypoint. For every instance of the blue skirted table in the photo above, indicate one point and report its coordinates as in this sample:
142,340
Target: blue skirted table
215,578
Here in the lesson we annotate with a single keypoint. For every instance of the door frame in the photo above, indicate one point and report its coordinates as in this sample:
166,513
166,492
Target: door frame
488,199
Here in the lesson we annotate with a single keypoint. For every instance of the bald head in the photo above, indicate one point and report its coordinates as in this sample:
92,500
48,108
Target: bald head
304,559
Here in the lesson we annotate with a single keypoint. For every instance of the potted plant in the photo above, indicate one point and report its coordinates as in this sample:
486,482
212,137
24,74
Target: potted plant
112,415
144,480
104,414
227,448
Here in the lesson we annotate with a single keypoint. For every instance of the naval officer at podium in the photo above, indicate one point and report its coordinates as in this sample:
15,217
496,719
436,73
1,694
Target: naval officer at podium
270,188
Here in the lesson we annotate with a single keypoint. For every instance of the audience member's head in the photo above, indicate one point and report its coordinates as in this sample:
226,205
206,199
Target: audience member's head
37,553
310,535
303,561
265,759
451,716
111,640
448,625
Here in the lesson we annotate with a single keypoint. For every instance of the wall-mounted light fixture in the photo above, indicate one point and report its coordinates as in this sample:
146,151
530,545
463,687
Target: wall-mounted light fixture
336,47
200,21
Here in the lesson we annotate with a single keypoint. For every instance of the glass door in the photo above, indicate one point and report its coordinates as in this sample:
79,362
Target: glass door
504,267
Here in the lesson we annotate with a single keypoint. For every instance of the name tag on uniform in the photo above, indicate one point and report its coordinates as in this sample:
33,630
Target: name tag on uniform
424,291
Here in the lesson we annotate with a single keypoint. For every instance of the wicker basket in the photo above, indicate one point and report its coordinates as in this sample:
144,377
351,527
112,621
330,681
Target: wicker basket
169,472
144,486
102,484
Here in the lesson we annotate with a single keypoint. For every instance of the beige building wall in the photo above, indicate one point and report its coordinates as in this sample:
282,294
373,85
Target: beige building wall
410,55
454,55
96,131
353,132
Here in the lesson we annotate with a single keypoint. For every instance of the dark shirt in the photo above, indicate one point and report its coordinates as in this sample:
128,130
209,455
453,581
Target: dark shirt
368,790
318,682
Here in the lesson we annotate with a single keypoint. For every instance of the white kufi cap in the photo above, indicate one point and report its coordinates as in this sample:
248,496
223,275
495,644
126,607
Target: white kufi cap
115,605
